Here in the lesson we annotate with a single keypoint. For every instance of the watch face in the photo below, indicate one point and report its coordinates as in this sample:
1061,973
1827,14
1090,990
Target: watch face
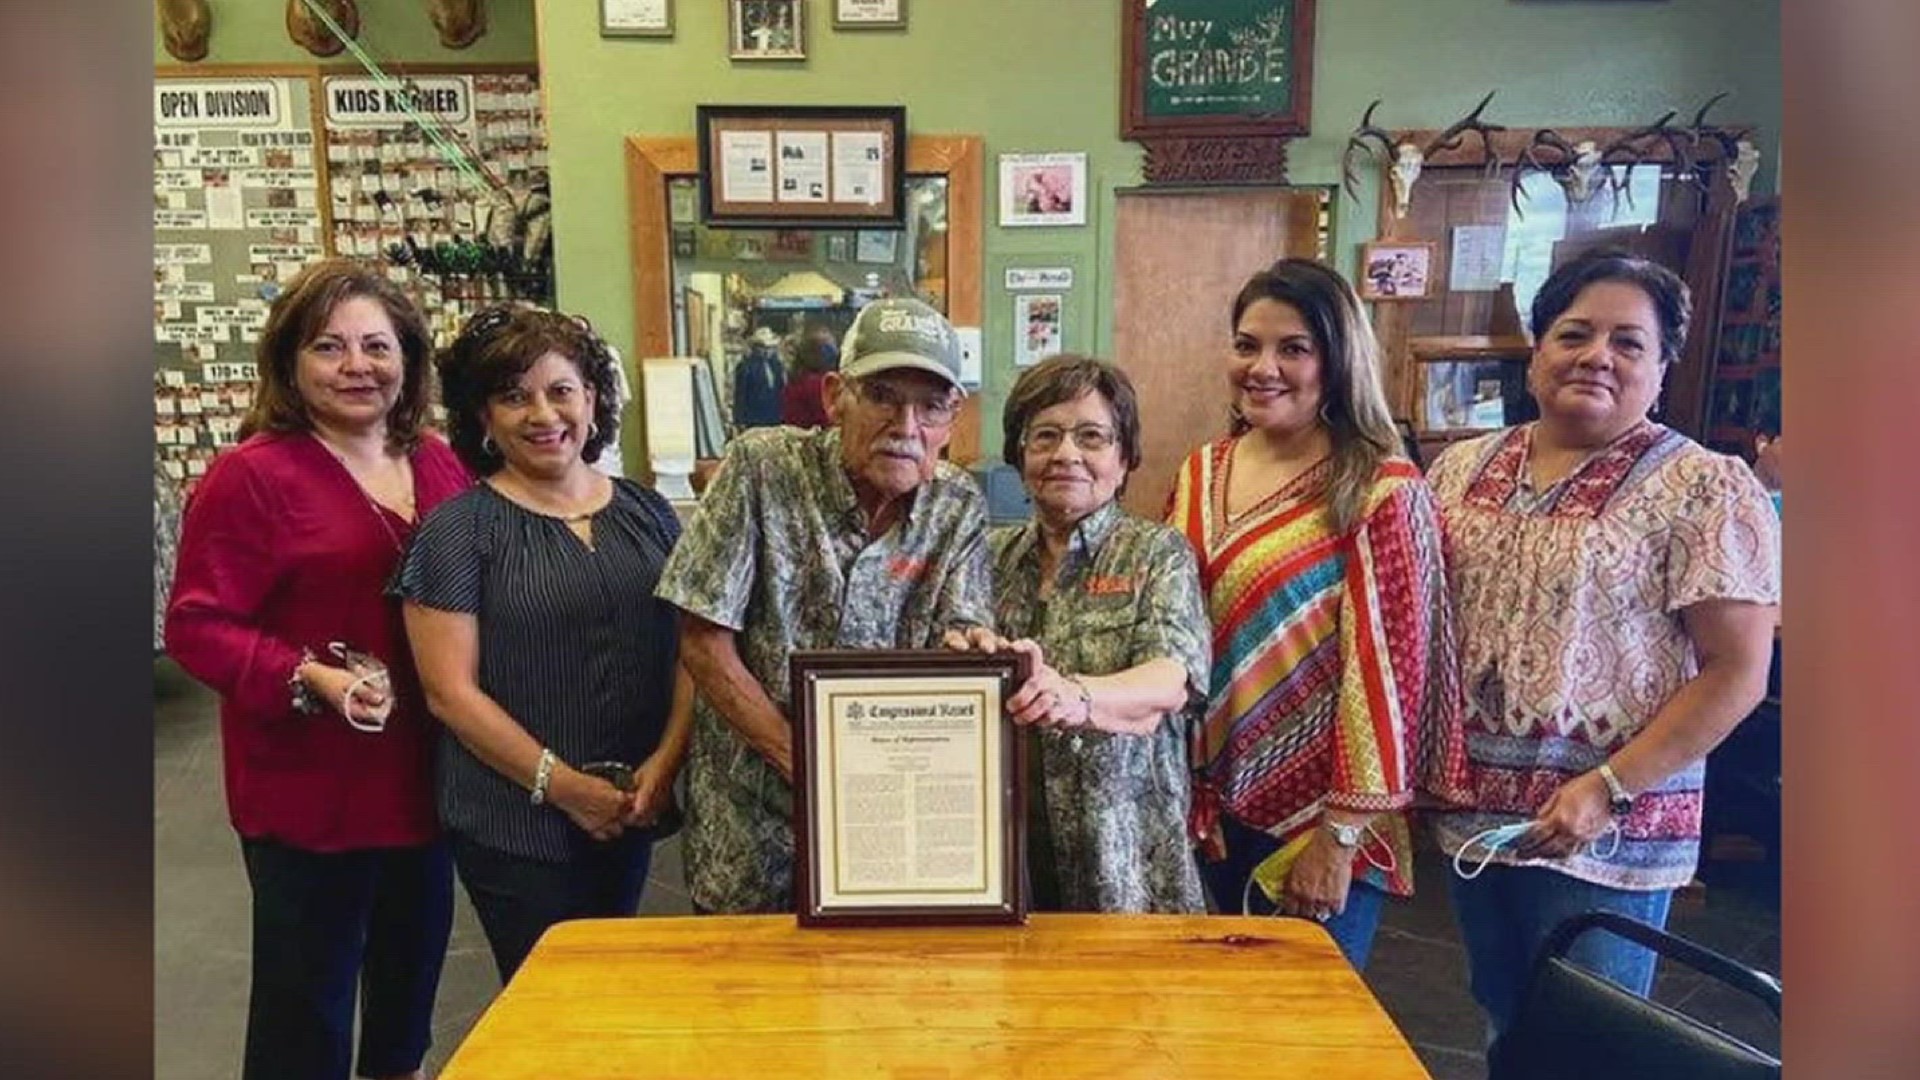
613,772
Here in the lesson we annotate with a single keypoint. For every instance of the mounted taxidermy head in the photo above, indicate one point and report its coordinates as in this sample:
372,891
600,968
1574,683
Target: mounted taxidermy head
185,28
460,22
308,32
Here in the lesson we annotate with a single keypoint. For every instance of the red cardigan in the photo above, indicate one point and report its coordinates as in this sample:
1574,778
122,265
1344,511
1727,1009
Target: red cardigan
279,550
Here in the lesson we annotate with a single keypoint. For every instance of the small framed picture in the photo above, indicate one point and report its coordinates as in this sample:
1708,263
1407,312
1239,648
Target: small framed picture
636,18
766,29
1043,189
1036,327
875,246
1397,270
869,14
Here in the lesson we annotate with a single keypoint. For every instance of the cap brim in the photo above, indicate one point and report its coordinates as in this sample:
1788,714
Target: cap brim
895,361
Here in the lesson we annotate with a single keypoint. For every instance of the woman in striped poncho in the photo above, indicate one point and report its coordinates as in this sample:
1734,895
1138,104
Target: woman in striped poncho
1334,695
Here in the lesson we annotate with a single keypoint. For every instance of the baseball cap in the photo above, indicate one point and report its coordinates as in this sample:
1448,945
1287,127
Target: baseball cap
901,332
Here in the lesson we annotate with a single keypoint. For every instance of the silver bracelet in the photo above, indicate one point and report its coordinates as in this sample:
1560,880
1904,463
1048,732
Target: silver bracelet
542,776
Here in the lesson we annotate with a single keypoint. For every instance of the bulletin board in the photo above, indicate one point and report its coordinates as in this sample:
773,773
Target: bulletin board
261,170
236,184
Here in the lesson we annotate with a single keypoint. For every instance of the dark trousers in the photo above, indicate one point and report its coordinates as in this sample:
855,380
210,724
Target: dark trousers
330,930
518,898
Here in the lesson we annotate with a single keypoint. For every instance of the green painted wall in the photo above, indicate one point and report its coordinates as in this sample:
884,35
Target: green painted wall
1034,75
397,31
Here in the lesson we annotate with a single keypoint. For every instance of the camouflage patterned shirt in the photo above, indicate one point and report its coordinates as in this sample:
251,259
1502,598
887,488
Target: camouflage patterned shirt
1115,815
779,553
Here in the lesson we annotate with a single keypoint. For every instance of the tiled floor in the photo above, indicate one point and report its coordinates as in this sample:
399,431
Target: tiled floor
201,920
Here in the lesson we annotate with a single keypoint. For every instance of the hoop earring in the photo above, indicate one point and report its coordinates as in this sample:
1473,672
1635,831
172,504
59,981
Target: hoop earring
593,431
1326,418
488,446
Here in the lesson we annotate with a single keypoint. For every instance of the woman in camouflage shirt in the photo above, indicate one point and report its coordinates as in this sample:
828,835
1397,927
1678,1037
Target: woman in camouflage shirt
1109,607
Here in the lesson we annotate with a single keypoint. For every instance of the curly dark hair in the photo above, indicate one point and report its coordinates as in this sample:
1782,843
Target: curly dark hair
494,349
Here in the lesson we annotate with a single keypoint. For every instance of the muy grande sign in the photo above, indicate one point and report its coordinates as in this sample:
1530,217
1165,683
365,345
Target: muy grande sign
1216,67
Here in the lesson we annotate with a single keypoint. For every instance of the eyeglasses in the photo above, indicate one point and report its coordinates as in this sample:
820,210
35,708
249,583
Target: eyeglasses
1091,438
934,412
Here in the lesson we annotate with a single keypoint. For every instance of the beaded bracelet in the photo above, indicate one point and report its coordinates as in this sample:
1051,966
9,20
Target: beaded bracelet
305,701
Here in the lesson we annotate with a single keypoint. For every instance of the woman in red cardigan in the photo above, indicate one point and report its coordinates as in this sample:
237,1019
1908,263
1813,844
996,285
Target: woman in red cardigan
278,604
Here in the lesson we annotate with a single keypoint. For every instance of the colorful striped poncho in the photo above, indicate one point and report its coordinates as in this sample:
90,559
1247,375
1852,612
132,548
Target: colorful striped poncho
1335,681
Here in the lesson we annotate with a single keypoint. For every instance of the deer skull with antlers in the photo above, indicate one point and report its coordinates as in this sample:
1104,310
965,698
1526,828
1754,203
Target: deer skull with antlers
1408,157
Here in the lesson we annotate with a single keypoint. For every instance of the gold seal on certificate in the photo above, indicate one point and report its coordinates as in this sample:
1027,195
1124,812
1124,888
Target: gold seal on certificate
907,788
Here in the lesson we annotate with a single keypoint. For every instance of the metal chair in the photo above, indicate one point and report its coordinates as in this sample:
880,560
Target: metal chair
1575,1025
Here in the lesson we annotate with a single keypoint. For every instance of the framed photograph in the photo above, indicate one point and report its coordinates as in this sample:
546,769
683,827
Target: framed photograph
1227,68
802,166
876,246
840,248
1043,189
1036,327
1397,270
766,29
1474,394
869,14
636,18
907,780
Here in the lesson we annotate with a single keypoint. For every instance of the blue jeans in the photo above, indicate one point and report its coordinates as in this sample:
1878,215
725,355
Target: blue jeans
332,930
1507,912
1226,882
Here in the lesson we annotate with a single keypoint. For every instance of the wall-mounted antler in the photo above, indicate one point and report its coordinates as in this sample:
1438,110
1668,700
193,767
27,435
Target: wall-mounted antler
1582,168
1409,157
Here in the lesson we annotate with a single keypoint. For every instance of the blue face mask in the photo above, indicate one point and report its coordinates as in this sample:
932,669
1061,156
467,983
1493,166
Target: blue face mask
1492,840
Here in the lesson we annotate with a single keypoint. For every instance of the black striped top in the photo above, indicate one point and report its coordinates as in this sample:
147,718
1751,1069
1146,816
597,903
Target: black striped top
573,644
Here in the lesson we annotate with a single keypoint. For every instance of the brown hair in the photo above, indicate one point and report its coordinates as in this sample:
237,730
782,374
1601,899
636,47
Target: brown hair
1064,377
1353,405
297,317
499,345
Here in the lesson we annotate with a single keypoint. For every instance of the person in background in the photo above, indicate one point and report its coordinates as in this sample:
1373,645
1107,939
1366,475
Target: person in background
1616,586
1333,698
803,404
853,536
529,602
757,382
1108,606
278,604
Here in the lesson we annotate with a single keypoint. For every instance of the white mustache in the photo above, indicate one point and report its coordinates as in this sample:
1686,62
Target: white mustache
899,446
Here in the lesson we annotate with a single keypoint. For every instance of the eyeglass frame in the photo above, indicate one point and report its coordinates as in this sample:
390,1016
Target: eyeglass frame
924,410
1111,435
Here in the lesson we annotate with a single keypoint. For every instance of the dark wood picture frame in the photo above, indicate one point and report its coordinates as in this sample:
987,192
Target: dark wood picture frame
805,668
713,122
1137,58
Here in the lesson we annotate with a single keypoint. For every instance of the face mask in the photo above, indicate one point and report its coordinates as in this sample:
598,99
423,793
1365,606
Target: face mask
1492,840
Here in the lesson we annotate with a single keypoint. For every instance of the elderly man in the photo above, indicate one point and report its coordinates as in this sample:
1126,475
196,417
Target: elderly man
852,536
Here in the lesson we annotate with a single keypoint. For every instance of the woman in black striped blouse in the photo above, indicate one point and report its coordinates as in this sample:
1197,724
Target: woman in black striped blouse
529,603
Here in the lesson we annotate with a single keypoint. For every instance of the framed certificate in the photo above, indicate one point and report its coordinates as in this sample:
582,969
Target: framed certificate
909,806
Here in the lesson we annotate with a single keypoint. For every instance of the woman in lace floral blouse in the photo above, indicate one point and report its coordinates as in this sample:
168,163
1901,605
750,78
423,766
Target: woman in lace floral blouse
1615,586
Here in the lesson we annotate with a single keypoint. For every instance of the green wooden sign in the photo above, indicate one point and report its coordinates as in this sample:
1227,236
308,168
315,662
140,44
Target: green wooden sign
1217,67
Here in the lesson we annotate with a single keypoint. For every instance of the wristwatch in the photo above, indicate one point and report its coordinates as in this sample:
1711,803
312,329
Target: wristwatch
1346,836
1619,800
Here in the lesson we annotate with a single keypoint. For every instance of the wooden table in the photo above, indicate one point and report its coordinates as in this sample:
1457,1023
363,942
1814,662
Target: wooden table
1066,996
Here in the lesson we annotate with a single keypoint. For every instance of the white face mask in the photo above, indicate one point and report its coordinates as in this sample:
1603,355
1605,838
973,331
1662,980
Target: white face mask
1492,840
368,671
